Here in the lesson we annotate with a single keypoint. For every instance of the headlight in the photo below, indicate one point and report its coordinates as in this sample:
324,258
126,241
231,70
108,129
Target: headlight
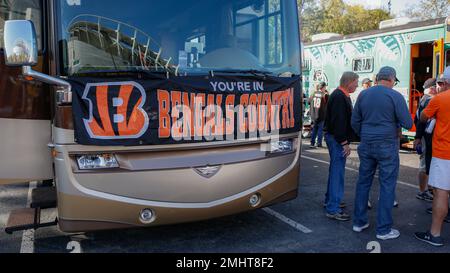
93,162
281,147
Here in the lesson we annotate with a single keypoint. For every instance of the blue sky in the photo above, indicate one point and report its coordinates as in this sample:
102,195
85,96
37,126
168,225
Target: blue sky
397,5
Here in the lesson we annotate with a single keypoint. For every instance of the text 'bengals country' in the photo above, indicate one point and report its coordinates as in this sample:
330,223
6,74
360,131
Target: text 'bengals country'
184,115
122,110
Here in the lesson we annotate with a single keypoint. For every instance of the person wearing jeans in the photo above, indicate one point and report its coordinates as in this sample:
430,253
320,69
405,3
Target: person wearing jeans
385,155
318,103
317,133
339,134
336,176
380,113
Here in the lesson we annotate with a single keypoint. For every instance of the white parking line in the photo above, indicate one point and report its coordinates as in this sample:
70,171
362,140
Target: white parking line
27,245
288,221
355,170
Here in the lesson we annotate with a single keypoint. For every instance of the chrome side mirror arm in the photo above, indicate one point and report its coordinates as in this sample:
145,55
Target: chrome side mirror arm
64,91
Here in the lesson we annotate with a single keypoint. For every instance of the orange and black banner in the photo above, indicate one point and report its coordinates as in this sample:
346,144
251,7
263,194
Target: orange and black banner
146,109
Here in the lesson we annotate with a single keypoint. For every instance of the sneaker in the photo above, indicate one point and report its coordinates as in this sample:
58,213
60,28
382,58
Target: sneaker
320,146
425,196
394,234
342,216
361,229
428,238
312,147
343,205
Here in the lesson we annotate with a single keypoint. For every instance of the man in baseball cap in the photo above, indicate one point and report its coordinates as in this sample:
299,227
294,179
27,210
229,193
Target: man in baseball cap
366,83
388,73
378,114
443,81
439,109
430,83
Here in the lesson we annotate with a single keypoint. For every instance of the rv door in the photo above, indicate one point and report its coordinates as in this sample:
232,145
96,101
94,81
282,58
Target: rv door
24,155
25,127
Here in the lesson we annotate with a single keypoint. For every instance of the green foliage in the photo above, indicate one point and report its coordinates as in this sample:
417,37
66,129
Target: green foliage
337,17
311,17
429,9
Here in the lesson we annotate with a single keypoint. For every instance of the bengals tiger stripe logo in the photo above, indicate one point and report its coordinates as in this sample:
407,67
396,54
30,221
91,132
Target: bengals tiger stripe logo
116,110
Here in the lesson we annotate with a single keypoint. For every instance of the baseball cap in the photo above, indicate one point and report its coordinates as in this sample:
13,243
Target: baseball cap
429,83
387,73
366,80
322,85
446,76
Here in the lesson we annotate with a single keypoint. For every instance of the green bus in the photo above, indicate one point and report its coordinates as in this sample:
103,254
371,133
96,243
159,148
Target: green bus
417,50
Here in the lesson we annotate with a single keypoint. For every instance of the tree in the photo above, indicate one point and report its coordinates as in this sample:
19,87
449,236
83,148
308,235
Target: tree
428,9
311,17
358,19
337,17
335,12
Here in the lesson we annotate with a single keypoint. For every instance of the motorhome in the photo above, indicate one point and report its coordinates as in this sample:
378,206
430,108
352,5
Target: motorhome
146,113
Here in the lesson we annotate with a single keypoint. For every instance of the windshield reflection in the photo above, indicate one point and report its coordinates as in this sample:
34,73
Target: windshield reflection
180,37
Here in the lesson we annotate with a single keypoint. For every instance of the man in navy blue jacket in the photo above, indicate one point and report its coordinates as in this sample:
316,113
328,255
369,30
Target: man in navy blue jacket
380,113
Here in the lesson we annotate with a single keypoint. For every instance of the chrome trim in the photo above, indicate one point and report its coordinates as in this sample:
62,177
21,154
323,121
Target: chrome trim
65,89
208,171
28,71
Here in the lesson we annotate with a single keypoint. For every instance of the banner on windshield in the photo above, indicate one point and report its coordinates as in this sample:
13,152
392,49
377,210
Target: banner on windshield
153,110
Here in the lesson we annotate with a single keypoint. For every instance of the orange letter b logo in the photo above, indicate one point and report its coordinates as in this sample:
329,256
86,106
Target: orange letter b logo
116,110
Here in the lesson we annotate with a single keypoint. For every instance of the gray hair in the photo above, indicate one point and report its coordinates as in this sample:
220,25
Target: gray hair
348,77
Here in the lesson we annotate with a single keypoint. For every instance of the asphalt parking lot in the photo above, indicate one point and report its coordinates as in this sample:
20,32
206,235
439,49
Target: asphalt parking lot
298,226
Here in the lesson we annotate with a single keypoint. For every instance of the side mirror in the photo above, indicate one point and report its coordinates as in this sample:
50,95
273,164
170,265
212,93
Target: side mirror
20,43
21,50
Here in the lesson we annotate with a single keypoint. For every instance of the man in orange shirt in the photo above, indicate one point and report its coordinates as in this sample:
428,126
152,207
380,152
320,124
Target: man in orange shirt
439,109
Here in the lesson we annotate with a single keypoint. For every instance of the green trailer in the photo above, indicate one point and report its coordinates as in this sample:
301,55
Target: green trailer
417,50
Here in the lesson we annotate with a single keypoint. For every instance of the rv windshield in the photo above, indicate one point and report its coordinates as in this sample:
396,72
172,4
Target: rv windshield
181,37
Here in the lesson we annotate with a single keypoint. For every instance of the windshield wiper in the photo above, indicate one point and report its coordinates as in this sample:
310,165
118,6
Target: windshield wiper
254,72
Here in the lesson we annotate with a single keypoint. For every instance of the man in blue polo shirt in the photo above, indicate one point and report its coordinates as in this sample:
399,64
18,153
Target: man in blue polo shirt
380,113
